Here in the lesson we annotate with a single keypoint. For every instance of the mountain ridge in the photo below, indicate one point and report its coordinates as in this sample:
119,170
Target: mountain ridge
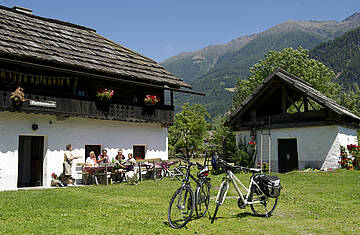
214,69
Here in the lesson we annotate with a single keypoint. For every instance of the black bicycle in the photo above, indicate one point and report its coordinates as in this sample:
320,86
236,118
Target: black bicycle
184,201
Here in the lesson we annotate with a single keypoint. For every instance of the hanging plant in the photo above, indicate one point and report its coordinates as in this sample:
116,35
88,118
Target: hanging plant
18,96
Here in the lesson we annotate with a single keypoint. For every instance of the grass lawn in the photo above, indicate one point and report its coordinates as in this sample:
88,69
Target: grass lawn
310,203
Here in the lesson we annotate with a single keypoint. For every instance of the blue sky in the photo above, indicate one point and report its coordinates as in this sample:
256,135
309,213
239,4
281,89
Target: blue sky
160,29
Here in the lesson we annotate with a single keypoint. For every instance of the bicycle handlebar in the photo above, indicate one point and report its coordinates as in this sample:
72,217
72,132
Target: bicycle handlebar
191,163
227,166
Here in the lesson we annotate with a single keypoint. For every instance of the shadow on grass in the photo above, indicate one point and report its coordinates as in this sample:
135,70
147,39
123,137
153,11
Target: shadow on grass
168,224
240,215
193,218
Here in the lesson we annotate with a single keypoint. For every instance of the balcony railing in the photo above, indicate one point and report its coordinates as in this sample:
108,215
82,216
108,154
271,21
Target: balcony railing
82,107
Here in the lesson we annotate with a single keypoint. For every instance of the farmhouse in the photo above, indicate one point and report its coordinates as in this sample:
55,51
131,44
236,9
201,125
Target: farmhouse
61,68
294,125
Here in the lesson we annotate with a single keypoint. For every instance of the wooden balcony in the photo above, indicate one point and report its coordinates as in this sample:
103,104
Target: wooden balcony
89,108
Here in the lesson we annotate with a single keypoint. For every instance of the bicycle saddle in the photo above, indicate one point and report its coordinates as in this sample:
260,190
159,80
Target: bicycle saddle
204,172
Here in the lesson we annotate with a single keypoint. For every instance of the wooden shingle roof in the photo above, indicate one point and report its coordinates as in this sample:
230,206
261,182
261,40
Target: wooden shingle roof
34,38
299,85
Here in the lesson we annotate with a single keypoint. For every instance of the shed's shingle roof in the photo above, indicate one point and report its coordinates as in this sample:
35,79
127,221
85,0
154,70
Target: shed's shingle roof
33,37
299,85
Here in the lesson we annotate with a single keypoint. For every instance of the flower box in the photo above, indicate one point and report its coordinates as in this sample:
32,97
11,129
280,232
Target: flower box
105,94
151,100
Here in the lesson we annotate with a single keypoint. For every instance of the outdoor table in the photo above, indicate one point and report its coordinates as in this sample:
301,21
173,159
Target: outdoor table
101,169
153,160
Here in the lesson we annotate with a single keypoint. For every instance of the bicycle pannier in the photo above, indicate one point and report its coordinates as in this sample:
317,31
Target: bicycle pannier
269,184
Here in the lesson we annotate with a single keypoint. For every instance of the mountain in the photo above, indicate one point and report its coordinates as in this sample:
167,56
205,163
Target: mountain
191,65
342,55
214,70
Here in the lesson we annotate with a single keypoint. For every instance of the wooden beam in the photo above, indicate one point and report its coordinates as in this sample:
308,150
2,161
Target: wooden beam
172,98
306,106
293,103
313,108
283,99
253,115
97,76
293,124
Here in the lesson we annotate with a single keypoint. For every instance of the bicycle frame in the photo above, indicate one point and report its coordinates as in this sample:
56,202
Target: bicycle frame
170,173
230,177
185,200
186,181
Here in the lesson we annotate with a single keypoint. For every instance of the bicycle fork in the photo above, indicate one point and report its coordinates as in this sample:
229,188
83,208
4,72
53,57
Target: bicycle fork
181,204
224,187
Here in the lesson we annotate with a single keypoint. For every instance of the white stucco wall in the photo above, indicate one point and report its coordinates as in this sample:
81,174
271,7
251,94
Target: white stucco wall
318,147
75,131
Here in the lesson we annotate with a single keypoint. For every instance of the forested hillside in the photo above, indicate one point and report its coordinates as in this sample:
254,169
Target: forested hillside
215,70
343,56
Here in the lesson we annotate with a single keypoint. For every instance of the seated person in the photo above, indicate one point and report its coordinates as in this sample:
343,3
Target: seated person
91,160
88,177
119,160
130,163
103,157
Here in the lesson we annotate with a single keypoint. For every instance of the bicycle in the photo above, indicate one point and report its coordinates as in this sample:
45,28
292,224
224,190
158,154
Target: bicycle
261,198
184,201
178,172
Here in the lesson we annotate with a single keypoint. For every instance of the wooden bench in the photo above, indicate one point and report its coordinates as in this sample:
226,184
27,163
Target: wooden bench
153,160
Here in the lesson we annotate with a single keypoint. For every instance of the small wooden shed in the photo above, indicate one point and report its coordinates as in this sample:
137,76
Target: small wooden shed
295,126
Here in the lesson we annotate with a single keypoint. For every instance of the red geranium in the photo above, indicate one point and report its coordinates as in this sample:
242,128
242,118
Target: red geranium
151,99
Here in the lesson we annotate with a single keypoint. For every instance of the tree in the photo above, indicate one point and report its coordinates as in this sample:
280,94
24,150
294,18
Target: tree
189,129
240,155
220,132
293,61
351,99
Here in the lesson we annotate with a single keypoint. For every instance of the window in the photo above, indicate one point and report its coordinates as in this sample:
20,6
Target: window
139,151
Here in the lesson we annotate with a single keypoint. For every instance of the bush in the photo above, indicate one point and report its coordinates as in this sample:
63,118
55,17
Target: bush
242,156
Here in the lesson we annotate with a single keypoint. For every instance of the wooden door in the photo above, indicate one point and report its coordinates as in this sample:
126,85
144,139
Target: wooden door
24,165
92,147
288,155
31,159
37,157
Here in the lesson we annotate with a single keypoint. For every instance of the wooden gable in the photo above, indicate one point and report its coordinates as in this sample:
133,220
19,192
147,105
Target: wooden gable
284,100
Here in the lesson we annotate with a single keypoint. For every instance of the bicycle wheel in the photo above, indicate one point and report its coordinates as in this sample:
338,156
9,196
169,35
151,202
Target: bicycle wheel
180,172
266,205
223,189
202,196
181,207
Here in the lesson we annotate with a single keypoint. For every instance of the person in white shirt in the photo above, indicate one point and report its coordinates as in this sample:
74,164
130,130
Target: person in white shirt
130,162
68,158
91,160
